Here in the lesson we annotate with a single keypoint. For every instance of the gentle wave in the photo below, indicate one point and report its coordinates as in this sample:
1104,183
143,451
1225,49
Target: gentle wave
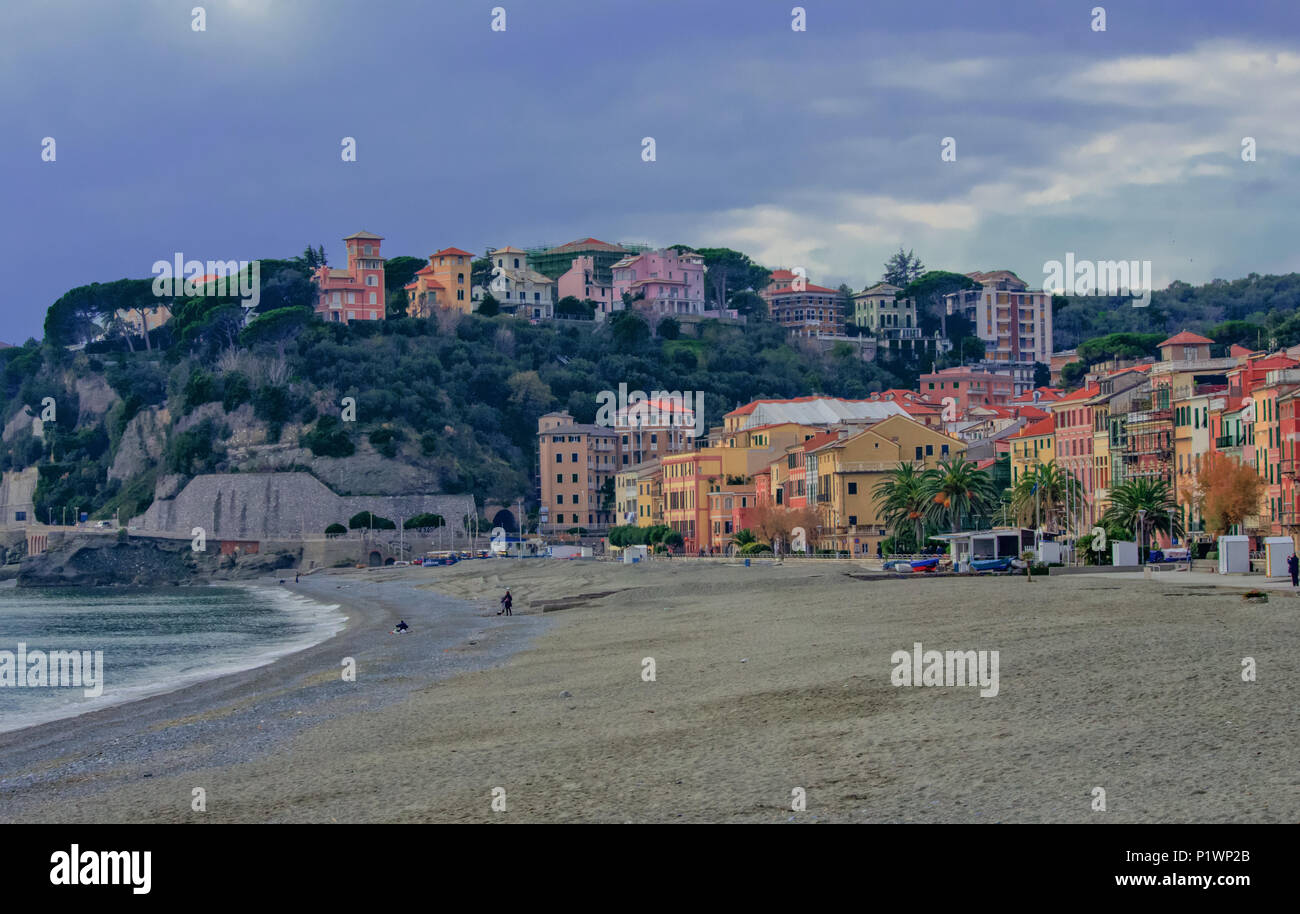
154,642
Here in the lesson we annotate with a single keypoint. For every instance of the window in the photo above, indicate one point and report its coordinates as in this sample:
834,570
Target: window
573,458
559,477
575,477
853,490
853,520
929,450
372,280
460,295
559,500
559,458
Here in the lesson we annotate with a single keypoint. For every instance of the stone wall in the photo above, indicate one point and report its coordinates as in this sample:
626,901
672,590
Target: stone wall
265,506
16,490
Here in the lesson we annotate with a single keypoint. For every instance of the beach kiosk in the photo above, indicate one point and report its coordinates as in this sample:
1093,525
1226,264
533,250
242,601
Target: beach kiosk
1277,549
634,554
1123,553
1234,555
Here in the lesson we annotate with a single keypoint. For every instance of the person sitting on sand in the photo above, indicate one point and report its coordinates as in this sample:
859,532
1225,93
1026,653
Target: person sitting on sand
402,626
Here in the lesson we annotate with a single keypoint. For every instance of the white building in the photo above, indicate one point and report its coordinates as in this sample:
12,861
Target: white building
516,287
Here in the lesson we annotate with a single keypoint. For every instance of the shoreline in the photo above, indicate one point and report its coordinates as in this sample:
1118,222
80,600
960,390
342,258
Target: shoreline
249,713
769,678
266,656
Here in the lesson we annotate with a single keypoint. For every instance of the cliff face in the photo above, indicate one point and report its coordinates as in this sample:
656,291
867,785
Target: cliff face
100,561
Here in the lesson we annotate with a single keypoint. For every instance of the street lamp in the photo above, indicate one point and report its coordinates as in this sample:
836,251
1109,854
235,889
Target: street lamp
1142,516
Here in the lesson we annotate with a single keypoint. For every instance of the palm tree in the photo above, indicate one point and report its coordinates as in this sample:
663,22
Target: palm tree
958,489
742,538
904,501
1154,497
1044,491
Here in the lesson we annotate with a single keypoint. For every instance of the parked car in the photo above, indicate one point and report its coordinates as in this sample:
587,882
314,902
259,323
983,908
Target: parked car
103,525
401,564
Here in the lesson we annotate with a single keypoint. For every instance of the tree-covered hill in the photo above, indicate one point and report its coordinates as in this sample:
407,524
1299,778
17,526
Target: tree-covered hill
447,404
1267,305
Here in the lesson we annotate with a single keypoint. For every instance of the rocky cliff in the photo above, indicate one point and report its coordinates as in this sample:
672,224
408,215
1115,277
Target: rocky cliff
98,561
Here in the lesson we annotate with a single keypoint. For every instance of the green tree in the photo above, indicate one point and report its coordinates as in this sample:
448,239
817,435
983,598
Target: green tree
425,521
1045,491
1152,500
488,305
669,328
903,268
727,272
959,489
368,520
904,499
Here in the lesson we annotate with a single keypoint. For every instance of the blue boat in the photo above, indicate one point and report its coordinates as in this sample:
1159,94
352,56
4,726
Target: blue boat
1002,564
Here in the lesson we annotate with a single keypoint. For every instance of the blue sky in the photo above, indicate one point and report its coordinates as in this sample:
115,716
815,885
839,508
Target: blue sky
818,149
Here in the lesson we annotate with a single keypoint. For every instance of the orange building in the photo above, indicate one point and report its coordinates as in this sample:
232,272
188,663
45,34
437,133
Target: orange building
444,284
357,293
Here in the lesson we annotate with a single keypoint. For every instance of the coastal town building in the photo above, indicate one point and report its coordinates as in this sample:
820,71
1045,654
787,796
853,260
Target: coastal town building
583,282
443,284
575,461
968,387
841,474
517,288
665,282
802,308
357,292
1014,321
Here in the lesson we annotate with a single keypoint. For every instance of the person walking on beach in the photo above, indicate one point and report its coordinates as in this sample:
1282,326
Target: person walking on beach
1293,566
506,602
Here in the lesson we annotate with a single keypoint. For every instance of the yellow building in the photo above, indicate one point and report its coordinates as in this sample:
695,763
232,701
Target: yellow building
1033,445
649,494
688,478
841,476
444,284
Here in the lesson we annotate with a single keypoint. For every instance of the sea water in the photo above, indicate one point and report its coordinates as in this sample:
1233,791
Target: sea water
153,640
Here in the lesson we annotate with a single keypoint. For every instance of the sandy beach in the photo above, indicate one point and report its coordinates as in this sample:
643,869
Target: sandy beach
767,679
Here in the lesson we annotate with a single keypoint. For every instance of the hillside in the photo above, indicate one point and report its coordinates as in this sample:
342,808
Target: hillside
447,405
1254,309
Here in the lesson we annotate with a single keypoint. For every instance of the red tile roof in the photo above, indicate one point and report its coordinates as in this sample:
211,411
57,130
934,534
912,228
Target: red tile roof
1045,393
818,440
451,252
1041,427
1186,338
587,244
1083,393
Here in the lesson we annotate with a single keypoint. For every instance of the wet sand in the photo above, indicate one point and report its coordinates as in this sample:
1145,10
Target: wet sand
767,679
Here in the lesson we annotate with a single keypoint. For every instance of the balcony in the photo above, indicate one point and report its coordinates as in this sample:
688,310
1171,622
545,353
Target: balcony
1286,466
1150,415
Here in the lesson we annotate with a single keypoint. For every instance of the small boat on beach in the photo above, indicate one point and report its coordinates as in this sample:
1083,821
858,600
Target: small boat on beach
1002,564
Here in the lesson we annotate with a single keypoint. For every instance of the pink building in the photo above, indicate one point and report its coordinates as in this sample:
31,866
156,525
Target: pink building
672,283
1072,417
581,283
357,293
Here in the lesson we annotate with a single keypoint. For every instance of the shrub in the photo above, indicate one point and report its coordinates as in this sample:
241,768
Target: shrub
328,439
335,530
424,521
236,391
